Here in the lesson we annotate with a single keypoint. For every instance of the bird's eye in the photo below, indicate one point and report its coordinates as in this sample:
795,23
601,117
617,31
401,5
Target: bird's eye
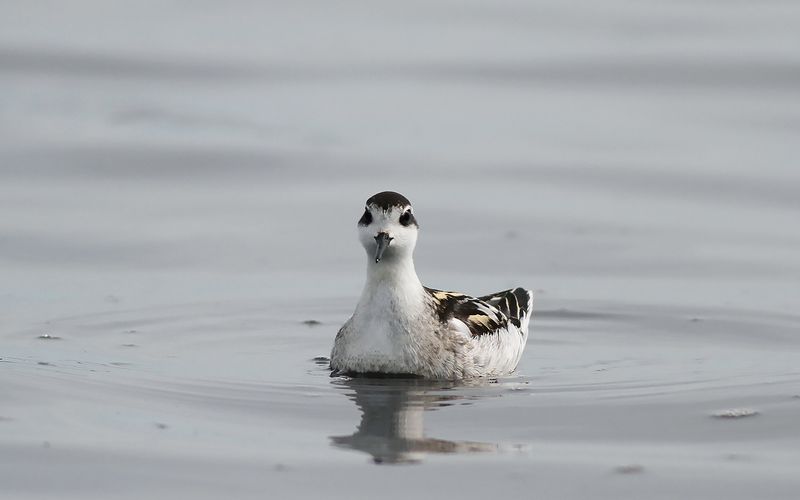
366,219
407,218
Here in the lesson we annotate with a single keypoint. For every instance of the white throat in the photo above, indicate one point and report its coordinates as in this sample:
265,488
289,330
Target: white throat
392,287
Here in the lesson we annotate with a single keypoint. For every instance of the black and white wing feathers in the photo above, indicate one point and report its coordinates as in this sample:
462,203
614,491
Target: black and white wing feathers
482,315
515,304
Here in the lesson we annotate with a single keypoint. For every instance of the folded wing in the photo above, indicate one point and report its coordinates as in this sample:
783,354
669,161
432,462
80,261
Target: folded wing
487,315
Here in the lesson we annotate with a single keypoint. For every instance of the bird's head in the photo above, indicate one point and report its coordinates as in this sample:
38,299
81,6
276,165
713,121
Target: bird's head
388,229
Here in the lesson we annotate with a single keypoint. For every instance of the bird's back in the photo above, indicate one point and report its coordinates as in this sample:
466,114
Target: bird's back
516,304
496,325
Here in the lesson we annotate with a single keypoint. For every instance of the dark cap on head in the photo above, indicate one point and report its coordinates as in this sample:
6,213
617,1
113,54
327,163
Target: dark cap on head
387,199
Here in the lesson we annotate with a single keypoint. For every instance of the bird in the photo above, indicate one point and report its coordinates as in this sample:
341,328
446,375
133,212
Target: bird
401,328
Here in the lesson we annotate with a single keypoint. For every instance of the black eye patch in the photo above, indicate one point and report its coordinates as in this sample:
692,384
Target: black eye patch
365,219
408,218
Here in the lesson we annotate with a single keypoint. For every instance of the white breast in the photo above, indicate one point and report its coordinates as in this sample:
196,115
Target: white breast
378,338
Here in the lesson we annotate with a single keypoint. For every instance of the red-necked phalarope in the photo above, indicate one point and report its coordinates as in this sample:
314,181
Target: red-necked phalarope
401,327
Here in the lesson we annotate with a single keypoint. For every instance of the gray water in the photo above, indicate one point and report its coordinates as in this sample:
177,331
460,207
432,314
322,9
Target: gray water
179,186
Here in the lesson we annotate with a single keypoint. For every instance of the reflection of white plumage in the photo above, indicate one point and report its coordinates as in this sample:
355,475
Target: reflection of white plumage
401,327
392,427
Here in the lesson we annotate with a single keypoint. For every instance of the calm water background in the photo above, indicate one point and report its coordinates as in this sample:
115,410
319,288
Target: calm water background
179,185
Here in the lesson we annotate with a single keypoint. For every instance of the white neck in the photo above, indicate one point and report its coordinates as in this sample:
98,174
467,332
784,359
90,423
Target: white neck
392,284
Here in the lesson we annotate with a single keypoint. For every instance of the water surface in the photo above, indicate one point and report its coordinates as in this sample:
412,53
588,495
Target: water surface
179,188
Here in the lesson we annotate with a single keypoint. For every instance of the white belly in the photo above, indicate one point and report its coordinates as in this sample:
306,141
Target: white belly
373,346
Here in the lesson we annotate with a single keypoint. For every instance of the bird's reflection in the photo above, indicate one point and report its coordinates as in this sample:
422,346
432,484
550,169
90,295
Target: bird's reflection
392,419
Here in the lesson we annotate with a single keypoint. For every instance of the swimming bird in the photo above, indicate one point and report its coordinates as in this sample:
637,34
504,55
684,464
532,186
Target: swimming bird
401,327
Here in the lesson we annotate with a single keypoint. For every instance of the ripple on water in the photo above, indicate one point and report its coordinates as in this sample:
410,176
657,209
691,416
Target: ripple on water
213,372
